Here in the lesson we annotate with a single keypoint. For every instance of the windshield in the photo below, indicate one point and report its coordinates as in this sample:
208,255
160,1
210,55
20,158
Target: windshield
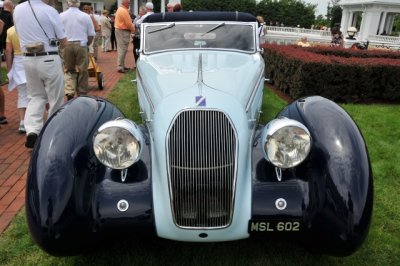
199,35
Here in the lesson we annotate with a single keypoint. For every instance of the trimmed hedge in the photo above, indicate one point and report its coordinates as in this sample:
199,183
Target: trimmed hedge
339,74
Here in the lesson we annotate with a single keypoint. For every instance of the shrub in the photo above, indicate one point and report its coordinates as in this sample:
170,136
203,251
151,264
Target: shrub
342,75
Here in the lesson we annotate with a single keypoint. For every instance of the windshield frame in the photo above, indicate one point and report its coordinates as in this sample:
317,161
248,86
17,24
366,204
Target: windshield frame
214,23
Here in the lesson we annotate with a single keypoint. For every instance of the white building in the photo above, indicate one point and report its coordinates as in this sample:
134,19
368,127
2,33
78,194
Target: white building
377,17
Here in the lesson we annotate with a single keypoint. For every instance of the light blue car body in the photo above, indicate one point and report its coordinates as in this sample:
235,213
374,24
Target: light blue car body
230,81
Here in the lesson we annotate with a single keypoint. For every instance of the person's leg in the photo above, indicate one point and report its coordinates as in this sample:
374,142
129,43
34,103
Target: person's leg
113,41
96,45
53,78
126,40
120,47
1,59
70,84
107,43
70,74
136,47
3,119
34,112
22,103
82,64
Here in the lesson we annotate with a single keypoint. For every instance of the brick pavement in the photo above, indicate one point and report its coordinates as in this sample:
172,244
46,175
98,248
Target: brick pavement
14,157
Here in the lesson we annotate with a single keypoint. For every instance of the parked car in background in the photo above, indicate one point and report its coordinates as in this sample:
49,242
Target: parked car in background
200,167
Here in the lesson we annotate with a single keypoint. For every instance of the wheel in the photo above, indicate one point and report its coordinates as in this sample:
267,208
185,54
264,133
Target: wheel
100,80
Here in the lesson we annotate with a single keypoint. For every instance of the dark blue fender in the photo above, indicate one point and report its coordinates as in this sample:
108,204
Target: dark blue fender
331,192
67,204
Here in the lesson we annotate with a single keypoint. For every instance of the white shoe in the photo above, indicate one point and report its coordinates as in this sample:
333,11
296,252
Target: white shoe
21,129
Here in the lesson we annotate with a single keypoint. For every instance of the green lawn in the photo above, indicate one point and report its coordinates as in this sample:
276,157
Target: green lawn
380,125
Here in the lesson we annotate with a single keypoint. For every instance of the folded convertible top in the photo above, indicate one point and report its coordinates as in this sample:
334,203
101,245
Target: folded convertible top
200,16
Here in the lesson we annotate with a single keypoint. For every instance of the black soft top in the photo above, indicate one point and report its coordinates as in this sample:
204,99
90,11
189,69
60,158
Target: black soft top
200,16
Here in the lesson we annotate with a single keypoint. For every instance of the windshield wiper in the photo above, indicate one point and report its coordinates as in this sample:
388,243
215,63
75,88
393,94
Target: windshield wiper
214,28
163,28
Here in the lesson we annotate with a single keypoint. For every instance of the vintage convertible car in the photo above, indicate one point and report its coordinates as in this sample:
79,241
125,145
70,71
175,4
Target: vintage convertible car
200,167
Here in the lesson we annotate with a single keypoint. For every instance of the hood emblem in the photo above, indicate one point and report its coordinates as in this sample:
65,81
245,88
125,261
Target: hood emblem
200,101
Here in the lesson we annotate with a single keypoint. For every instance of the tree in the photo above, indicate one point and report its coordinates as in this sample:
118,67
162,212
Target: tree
321,21
334,13
220,5
114,7
396,25
288,12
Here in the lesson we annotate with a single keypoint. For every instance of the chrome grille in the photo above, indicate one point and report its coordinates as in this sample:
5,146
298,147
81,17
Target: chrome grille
201,150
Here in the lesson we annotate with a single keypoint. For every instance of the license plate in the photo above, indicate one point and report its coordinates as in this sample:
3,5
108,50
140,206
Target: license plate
274,226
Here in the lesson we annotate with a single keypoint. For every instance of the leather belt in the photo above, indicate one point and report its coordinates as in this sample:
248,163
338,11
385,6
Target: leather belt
41,53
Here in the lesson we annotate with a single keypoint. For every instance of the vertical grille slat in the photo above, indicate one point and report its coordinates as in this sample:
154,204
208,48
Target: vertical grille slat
201,147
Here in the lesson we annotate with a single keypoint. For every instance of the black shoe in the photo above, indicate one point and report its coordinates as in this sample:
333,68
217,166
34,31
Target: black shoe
3,120
69,96
31,140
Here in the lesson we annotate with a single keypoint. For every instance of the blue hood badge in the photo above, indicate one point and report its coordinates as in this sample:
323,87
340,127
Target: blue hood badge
200,101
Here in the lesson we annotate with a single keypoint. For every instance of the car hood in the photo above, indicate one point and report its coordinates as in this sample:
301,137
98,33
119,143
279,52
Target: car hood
225,73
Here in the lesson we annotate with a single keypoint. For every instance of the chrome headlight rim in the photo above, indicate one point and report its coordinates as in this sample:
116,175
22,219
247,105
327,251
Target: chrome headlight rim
272,128
122,124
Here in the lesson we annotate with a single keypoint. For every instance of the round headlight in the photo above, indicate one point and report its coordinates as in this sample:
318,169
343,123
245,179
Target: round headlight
286,142
118,144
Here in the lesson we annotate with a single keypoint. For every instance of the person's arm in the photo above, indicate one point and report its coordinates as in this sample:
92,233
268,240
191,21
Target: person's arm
1,26
95,24
108,24
90,40
63,42
128,21
9,55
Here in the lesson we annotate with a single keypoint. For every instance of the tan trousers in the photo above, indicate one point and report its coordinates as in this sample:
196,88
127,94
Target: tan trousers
95,43
76,59
123,39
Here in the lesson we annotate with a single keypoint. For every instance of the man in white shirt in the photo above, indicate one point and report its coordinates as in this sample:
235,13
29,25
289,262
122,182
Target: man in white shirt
80,33
41,31
149,10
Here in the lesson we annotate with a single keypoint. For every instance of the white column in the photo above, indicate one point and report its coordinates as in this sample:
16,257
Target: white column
390,23
135,7
382,27
162,6
345,20
369,24
362,33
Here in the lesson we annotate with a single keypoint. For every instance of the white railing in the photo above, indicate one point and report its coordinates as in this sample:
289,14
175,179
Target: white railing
297,31
288,35
386,42
386,39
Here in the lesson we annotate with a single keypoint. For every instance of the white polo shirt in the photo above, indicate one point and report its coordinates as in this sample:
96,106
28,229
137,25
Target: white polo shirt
28,28
78,25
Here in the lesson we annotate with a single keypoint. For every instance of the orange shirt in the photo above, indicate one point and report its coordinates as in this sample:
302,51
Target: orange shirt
123,20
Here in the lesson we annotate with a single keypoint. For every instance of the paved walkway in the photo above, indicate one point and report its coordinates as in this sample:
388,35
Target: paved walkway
14,157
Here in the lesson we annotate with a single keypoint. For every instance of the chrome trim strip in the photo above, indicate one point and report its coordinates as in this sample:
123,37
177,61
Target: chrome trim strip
146,93
253,93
